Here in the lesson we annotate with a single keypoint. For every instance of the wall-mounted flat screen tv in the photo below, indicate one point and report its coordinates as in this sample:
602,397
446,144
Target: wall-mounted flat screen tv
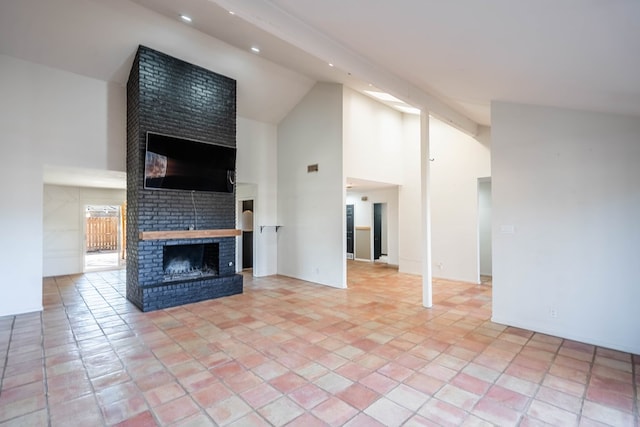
175,163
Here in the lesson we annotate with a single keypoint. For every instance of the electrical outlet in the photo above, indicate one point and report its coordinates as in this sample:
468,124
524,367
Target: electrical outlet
553,312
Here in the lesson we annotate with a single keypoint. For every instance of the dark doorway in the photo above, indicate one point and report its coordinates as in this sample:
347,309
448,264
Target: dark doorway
377,230
350,224
247,234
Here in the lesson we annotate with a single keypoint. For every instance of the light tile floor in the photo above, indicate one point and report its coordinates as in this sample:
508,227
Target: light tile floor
288,352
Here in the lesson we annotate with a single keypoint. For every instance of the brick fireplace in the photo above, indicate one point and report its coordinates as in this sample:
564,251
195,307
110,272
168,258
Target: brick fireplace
180,244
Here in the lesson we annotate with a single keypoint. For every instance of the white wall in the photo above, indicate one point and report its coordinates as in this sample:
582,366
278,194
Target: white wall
63,225
484,220
409,199
257,164
62,231
459,160
47,117
566,204
311,206
21,195
383,145
363,215
72,120
373,141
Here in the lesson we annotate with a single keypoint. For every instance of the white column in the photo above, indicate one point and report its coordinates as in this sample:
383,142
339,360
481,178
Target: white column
425,165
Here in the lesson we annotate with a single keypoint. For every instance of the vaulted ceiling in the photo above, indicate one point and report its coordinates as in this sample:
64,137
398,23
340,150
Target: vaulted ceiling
450,57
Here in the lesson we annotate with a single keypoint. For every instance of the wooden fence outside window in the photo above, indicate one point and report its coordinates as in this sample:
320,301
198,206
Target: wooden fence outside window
102,234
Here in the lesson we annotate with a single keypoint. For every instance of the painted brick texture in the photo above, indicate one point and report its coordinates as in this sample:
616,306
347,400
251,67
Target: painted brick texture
169,96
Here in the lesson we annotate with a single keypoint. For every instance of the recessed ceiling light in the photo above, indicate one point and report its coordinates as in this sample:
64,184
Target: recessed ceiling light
330,64
255,49
231,12
383,96
406,109
185,18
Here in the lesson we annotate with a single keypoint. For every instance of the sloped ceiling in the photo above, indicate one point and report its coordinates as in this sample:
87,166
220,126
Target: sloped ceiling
462,54
99,39
450,57
582,54
456,56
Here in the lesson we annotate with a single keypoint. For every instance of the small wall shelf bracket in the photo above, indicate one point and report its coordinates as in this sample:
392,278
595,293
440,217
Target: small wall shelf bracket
274,226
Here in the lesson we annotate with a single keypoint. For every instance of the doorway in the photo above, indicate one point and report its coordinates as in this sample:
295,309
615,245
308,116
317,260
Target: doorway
103,243
350,231
380,249
484,229
247,234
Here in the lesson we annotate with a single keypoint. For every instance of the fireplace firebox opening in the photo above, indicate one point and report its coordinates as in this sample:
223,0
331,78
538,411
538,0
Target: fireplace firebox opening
181,262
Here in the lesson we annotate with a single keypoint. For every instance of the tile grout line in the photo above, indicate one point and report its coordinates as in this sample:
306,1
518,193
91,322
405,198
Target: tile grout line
124,365
6,355
168,370
458,371
105,335
82,357
286,395
636,386
583,400
44,369
586,386
468,412
187,393
100,291
522,413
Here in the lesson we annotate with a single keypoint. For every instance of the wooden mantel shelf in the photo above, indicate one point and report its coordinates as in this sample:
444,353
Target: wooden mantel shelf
188,234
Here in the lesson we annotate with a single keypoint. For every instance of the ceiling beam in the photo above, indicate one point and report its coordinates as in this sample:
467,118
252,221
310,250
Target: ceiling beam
272,19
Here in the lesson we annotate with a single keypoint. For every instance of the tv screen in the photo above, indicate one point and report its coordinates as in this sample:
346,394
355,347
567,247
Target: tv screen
183,164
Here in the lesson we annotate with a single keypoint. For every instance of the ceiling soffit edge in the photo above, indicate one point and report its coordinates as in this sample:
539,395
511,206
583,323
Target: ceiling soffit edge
272,19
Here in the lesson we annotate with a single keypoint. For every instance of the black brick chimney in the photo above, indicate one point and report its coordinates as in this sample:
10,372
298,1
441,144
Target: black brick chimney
172,97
